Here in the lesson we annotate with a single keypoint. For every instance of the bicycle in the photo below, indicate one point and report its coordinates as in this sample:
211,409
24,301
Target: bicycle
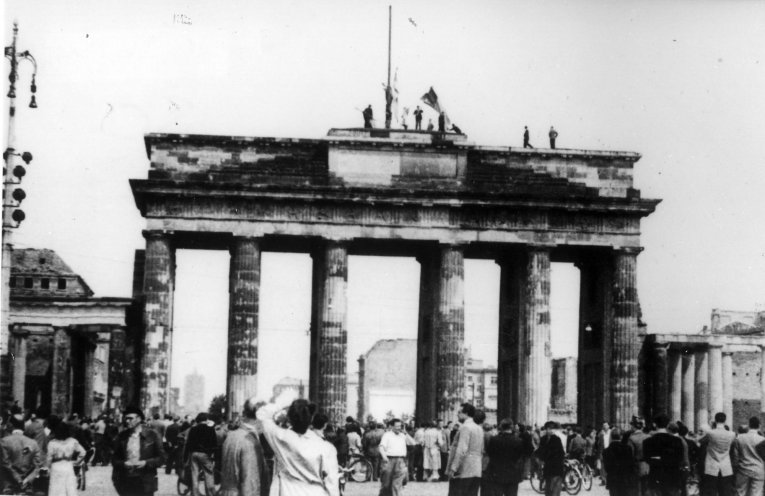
359,468
183,486
586,473
572,477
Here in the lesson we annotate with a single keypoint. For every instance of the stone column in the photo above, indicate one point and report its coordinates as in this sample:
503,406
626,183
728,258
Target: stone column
762,383
508,381
715,380
20,366
89,375
425,396
727,385
689,388
660,375
332,337
118,371
450,331
702,389
676,385
62,351
244,289
158,286
535,353
625,349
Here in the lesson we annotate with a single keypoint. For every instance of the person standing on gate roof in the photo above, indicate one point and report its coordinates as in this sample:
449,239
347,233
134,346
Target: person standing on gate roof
430,125
418,118
526,143
441,122
553,135
367,113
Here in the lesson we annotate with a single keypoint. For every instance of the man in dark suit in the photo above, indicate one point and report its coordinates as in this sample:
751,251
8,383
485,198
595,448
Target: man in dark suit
664,453
552,455
137,453
507,453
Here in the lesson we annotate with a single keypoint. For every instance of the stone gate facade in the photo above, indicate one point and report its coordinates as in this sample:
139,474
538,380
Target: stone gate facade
432,196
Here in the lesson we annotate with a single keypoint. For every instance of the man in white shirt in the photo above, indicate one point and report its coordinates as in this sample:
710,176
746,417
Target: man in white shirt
393,455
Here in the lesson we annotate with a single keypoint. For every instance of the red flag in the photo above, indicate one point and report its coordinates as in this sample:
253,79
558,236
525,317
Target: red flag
430,98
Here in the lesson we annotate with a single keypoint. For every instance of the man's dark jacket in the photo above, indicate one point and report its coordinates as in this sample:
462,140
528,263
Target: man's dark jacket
151,452
507,452
202,439
664,454
551,453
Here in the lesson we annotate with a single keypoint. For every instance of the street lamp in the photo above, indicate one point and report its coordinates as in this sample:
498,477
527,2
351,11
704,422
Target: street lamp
12,176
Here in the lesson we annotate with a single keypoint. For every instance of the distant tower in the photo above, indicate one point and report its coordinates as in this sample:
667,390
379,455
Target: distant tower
194,393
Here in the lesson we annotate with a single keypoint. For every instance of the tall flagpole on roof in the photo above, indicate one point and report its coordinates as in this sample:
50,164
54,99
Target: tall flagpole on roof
388,92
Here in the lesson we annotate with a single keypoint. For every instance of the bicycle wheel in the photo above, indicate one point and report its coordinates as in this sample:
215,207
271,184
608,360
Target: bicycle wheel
572,481
587,477
182,488
537,482
361,470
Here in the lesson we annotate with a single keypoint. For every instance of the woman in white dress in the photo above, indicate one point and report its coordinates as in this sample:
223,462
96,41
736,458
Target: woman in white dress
63,452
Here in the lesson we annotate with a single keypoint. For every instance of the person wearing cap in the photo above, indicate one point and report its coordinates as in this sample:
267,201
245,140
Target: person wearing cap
137,453
20,459
552,455
635,439
418,118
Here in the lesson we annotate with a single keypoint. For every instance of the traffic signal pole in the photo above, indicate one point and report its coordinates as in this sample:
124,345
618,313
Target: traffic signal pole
12,196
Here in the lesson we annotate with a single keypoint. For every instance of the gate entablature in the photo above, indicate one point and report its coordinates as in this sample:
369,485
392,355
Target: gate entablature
367,188
440,195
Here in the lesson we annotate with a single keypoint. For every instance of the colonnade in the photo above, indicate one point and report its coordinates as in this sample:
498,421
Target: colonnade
524,328
693,382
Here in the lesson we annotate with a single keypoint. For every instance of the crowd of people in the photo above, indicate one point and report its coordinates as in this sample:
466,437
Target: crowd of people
298,451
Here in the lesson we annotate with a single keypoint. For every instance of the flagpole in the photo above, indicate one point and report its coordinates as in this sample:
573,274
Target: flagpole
388,95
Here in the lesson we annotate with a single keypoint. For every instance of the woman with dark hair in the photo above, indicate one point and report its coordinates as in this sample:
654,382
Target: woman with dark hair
306,463
63,453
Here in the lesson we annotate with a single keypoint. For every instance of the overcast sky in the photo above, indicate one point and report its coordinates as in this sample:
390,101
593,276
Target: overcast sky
681,82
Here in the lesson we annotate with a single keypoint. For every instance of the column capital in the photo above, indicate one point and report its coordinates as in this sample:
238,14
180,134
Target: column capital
156,233
715,345
20,333
659,345
628,250
539,246
727,351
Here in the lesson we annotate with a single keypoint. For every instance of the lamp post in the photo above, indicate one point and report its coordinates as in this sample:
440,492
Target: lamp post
12,196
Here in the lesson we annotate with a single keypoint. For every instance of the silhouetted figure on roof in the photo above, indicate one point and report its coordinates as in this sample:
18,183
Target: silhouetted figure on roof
418,118
526,143
553,135
441,123
367,113
456,129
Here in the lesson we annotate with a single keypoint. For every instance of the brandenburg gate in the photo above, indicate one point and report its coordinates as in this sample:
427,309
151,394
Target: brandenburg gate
433,196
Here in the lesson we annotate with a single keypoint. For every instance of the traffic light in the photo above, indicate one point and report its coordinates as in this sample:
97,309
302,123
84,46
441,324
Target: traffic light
18,195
